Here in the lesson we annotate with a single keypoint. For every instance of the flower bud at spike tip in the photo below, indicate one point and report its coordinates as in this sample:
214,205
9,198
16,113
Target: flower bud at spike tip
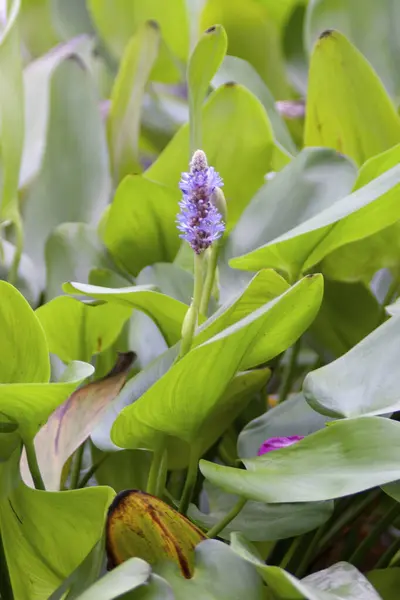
277,443
200,221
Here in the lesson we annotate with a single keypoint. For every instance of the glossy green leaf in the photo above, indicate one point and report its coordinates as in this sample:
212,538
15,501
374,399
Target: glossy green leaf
362,382
335,117
117,23
238,394
253,34
345,458
141,224
123,470
199,390
294,48
165,311
126,577
75,143
360,260
386,582
131,392
341,581
348,313
264,287
37,560
37,29
71,18
23,339
292,417
238,70
11,112
311,183
219,575
72,251
123,123
37,90
231,113
362,213
77,331
356,24
261,522
86,574
170,279
73,421
30,404
203,64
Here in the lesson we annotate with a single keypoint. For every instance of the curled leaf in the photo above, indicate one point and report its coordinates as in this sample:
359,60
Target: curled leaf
143,526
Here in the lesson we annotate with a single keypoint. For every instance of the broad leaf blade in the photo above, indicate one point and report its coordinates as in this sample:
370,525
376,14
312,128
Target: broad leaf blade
335,117
347,457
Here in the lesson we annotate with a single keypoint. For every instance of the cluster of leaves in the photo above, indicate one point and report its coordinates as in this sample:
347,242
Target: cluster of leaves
114,445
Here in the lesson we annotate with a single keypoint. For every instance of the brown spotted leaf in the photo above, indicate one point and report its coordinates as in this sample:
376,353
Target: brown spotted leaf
72,423
143,526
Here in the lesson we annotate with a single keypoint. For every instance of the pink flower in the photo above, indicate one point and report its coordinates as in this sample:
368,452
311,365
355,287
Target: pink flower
277,443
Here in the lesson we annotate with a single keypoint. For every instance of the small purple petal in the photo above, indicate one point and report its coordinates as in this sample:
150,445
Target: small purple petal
199,221
277,443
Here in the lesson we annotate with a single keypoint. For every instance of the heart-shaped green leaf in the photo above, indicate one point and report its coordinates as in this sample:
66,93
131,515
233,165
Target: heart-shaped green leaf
362,213
347,457
166,312
356,26
187,396
261,522
219,574
77,331
37,561
338,582
123,123
335,117
203,64
140,229
23,339
364,381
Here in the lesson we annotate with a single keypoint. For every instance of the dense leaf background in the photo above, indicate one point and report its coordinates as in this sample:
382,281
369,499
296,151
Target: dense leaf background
129,463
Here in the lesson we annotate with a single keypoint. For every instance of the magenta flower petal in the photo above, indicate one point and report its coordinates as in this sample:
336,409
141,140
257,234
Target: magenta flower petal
277,443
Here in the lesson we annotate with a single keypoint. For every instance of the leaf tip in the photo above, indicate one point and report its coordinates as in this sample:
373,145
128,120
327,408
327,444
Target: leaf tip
153,24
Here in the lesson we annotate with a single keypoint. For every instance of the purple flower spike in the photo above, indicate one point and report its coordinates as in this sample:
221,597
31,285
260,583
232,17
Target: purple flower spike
277,443
199,220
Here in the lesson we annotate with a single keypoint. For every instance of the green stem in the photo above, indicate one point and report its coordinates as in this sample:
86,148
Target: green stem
155,468
350,515
34,465
6,592
76,467
290,553
13,273
374,534
190,321
162,475
309,553
82,483
218,527
210,276
289,371
384,560
190,482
